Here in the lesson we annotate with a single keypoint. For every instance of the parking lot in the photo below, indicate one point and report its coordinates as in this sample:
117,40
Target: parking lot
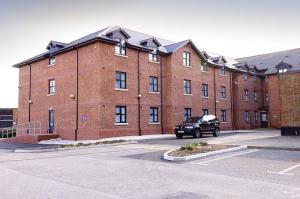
137,171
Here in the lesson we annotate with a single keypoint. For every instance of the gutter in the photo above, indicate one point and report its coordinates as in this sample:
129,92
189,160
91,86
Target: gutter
76,46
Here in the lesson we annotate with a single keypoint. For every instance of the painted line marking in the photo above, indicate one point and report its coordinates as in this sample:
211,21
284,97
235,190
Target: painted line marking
284,172
224,157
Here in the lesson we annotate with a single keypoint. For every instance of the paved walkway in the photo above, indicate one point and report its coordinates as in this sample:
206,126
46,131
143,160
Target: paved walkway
281,142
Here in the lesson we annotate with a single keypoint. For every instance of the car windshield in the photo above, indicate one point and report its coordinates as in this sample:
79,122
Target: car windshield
192,120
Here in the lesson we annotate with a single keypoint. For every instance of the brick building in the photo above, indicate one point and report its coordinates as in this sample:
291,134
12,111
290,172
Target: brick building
118,82
281,88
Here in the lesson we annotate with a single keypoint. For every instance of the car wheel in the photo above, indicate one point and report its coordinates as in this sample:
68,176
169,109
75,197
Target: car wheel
216,132
197,134
179,136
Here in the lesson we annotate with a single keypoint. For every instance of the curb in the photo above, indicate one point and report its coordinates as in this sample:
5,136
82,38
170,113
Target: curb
61,148
273,148
201,155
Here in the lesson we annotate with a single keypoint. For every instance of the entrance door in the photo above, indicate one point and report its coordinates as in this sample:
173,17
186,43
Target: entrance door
264,120
51,121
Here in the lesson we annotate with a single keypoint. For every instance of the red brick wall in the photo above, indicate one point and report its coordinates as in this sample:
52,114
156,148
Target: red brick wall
240,105
274,102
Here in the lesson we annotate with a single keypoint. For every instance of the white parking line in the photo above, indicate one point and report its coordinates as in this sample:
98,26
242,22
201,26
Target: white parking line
224,157
284,172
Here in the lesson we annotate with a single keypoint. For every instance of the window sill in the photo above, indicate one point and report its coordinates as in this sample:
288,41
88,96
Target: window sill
119,55
154,92
224,122
188,94
204,71
49,65
154,62
187,66
121,89
50,95
223,75
223,98
205,97
121,124
154,123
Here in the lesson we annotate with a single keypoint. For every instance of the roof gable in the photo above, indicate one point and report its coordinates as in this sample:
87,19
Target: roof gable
118,34
151,42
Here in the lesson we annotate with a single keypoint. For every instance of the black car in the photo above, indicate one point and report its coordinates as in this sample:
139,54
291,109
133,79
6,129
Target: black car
197,126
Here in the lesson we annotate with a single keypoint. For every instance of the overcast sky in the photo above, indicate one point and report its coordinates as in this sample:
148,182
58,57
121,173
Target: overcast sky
229,27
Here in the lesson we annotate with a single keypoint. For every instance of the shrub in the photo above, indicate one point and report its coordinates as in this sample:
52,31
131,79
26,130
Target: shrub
189,147
203,143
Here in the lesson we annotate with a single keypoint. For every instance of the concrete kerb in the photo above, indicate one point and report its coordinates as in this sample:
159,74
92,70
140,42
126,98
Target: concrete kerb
273,148
61,148
201,155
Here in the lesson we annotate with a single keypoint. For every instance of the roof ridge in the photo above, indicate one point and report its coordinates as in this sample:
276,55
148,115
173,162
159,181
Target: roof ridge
150,36
269,53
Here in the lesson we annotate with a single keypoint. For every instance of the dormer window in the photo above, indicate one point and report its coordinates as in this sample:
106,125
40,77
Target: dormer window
51,61
204,67
120,48
245,76
153,56
222,70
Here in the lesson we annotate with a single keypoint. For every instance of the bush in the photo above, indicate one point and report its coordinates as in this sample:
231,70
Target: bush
193,146
189,147
203,143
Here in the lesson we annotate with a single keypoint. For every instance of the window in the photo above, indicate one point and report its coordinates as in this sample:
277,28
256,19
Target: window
205,111
205,90
223,92
186,59
245,76
256,116
153,84
120,80
246,116
153,56
51,87
120,114
266,79
52,61
204,67
254,77
266,96
153,114
187,113
223,116
246,95
120,48
187,87
222,70
255,96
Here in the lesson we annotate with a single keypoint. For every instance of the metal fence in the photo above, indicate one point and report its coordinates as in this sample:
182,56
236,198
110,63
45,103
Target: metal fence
29,128
8,132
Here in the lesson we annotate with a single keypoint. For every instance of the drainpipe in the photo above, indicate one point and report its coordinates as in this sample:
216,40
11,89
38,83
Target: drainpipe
29,96
77,93
231,100
215,92
139,96
161,97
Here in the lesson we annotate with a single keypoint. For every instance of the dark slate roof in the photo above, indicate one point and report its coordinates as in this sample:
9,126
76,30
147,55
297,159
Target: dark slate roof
268,62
